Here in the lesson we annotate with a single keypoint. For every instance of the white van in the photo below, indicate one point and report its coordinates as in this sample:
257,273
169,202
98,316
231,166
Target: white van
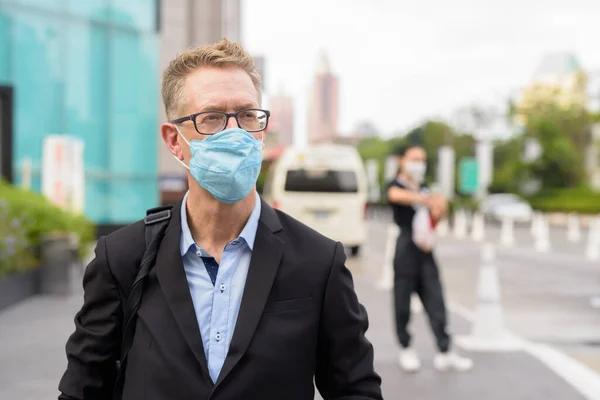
325,187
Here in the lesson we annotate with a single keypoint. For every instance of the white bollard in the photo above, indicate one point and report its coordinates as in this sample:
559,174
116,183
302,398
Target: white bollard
535,219
507,237
468,221
455,223
386,281
573,231
442,228
460,224
478,228
542,239
488,332
592,251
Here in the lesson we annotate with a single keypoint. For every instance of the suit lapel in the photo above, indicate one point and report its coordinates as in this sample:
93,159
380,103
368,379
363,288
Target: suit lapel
265,260
173,282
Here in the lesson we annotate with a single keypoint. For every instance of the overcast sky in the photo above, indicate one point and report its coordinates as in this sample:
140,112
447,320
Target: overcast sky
401,61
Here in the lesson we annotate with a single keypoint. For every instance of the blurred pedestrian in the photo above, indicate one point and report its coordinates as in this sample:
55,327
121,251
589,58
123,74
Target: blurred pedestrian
416,210
243,301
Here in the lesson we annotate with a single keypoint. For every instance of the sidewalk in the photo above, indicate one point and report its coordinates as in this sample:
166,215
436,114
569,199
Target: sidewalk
33,334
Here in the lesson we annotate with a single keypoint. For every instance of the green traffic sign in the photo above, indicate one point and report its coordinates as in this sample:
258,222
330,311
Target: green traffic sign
468,175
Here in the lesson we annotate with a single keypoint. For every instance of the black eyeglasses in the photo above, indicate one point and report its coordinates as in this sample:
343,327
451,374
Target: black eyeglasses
211,122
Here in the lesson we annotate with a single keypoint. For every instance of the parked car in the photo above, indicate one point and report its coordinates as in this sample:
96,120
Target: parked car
506,205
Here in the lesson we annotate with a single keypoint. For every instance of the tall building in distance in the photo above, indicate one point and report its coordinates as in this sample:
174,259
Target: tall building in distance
185,24
281,124
323,107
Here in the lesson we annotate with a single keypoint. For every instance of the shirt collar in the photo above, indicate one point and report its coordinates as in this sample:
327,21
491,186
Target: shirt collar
248,233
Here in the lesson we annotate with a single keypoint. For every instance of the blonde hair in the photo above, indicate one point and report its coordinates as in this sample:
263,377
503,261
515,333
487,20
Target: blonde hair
223,54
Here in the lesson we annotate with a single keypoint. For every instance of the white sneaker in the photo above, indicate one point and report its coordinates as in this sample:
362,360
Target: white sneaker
409,360
450,360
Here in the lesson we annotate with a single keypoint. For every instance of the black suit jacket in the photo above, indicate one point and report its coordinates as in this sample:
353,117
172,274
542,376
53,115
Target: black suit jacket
299,319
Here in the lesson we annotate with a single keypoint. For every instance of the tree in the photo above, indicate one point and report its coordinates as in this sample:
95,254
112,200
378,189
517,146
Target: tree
508,165
431,135
554,112
564,134
561,162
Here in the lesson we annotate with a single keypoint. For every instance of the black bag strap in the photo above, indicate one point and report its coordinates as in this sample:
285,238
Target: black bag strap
156,222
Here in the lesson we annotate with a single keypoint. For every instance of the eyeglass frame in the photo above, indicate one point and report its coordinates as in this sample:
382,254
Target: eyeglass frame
193,117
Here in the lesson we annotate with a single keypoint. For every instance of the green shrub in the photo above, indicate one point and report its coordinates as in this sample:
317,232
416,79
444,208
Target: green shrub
16,252
25,217
581,199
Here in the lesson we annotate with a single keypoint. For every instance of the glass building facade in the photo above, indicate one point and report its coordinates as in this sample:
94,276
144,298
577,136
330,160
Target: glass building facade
87,68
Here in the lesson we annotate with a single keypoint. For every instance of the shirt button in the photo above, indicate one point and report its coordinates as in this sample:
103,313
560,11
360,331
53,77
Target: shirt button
218,337
199,253
222,287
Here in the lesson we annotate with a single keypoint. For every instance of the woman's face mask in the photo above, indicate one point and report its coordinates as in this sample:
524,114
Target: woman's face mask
416,170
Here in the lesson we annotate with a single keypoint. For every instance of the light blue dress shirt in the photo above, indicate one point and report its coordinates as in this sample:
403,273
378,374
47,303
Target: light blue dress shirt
217,306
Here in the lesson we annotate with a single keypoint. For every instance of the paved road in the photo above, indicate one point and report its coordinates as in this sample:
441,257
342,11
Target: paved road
545,299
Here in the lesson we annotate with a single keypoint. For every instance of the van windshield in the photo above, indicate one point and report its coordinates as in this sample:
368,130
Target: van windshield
321,181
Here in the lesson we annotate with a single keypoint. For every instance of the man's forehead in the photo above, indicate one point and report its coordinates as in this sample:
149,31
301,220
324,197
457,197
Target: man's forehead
209,79
222,101
218,89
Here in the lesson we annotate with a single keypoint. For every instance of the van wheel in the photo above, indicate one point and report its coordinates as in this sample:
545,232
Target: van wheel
354,250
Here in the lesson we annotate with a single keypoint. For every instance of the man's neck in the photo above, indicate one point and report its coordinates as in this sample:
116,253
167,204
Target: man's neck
213,223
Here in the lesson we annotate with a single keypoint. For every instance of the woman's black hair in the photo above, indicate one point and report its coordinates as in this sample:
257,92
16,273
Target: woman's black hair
400,151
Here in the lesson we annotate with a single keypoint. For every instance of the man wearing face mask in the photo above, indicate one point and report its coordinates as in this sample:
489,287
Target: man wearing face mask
228,299
415,268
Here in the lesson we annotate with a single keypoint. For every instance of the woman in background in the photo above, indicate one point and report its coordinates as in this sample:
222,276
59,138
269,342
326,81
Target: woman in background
415,268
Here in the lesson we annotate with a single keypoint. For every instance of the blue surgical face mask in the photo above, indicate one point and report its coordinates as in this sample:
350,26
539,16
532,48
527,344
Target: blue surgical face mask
226,164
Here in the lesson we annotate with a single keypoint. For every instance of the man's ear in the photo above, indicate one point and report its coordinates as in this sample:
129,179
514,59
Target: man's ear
171,138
